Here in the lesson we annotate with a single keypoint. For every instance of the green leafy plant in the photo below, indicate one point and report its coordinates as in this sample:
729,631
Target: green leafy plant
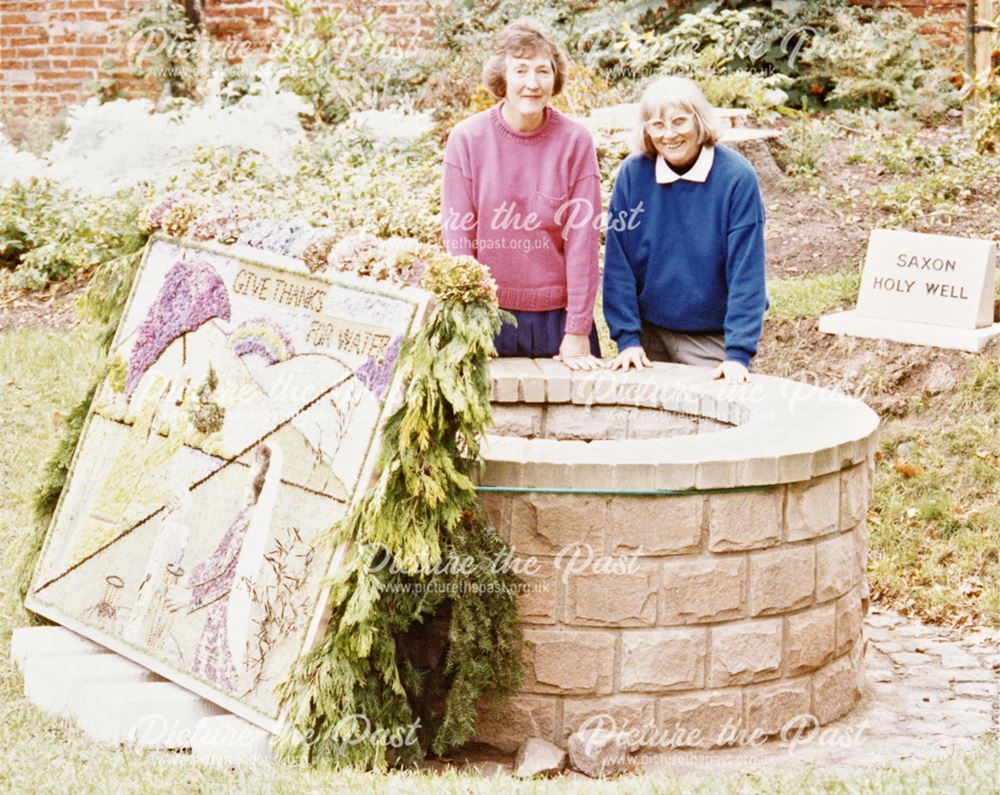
343,61
801,149
48,232
422,511
161,44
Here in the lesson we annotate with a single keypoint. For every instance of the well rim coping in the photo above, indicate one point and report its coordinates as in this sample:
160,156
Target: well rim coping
785,431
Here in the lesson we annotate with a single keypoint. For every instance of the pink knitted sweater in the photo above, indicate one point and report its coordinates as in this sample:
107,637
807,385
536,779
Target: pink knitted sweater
527,205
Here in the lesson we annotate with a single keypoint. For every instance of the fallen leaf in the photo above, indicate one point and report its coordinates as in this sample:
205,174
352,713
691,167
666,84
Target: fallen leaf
908,470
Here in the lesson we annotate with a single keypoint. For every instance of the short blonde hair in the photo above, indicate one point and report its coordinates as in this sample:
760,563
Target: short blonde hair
675,92
523,38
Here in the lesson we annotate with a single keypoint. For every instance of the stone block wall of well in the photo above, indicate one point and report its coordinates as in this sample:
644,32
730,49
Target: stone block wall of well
716,612
693,555
52,51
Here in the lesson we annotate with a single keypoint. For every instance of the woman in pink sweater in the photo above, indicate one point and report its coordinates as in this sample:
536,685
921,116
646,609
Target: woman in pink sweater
522,194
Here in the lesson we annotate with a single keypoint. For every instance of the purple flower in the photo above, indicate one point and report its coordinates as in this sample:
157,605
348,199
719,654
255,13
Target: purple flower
192,292
375,374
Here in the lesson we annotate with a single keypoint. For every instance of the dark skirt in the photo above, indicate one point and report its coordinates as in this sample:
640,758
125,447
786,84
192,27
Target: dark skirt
537,334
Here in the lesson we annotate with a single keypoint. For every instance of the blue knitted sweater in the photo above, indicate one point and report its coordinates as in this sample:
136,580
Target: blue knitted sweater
687,256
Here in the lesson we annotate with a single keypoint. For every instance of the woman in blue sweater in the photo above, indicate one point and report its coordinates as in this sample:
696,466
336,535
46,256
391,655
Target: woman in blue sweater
684,256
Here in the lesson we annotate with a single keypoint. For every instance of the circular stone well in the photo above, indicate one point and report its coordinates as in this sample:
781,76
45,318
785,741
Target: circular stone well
693,552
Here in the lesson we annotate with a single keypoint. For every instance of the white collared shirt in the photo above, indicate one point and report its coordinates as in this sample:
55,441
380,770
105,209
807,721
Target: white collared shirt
697,173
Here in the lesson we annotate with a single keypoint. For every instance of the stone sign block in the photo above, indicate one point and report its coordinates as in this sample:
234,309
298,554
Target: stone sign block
239,420
924,289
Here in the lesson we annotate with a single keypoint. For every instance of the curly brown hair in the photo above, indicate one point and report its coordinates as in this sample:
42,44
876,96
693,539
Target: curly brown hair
524,38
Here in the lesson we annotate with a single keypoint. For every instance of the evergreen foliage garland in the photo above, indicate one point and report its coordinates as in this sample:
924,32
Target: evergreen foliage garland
379,689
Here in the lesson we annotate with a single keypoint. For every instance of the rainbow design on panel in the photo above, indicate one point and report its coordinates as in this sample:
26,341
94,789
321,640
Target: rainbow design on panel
264,338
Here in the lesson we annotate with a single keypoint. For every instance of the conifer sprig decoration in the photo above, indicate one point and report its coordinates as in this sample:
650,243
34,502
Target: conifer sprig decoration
378,690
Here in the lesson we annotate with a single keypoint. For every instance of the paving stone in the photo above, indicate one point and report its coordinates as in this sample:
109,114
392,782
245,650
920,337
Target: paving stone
907,658
882,620
915,631
958,661
971,675
983,689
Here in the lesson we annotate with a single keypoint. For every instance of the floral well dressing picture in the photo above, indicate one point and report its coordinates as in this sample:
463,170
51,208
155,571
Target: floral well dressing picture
239,419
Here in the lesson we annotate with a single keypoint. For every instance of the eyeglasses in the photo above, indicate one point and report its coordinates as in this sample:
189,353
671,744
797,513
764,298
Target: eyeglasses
679,124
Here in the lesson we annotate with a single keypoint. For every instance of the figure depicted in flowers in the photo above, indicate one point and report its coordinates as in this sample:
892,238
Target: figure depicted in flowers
148,621
222,584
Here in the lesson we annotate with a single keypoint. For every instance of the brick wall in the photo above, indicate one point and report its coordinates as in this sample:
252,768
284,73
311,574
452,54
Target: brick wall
52,51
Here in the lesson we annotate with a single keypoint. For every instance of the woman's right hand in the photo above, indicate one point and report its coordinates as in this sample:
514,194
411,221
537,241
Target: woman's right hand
631,357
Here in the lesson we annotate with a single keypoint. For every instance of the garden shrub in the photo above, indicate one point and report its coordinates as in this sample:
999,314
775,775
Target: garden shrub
48,232
344,61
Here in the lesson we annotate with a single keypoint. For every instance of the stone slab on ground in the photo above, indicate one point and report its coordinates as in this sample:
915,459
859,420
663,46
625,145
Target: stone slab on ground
26,642
915,708
148,714
854,325
54,683
228,739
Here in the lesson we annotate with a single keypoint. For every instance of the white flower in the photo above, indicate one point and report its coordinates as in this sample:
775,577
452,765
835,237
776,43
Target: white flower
17,165
392,127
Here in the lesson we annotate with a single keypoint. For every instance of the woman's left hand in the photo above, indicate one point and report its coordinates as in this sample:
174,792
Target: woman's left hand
574,352
731,372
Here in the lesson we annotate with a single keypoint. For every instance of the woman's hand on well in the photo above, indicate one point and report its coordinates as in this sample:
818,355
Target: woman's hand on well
731,372
574,352
631,357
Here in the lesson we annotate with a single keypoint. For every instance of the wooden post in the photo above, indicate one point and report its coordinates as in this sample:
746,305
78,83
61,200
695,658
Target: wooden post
984,39
978,55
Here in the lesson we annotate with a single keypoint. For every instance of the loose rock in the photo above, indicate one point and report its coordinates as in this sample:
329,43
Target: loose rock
600,753
538,757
